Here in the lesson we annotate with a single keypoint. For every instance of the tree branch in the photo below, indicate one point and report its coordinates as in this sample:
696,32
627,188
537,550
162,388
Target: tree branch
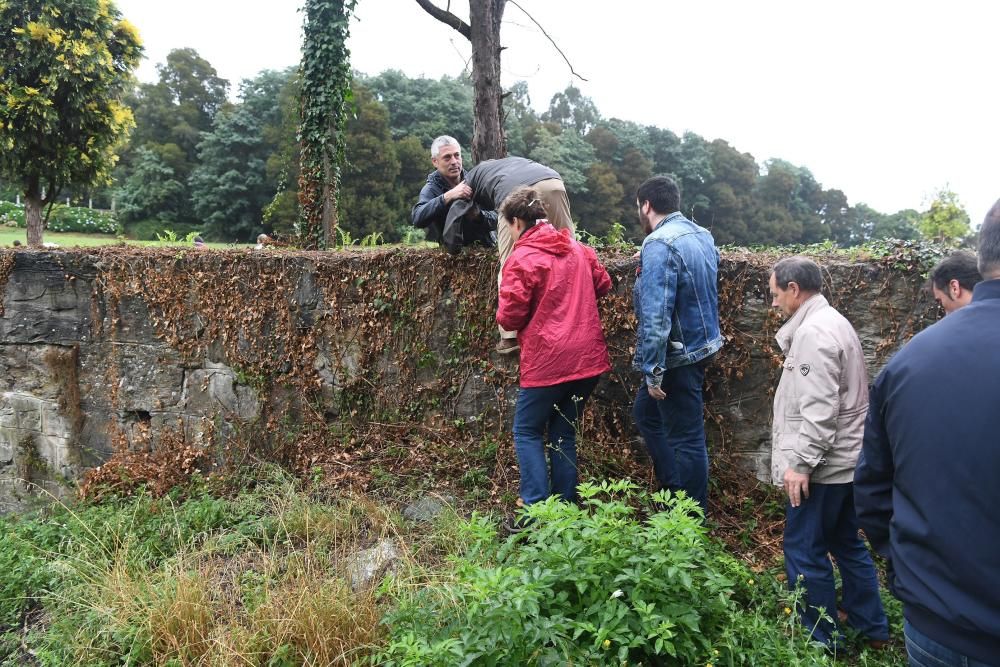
447,18
552,41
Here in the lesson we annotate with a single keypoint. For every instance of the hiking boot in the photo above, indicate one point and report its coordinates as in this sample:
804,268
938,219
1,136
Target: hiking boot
508,346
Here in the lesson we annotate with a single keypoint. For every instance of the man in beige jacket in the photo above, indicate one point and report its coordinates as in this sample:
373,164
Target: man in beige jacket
819,418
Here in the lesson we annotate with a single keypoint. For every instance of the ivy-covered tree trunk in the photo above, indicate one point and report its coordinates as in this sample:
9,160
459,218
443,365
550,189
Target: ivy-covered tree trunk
326,81
483,31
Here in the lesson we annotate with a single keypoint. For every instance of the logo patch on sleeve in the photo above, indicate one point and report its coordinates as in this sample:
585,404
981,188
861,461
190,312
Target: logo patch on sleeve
804,369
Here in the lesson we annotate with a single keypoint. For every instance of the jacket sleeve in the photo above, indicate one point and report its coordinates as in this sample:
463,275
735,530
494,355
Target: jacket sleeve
429,206
516,299
816,379
873,477
490,218
656,305
602,281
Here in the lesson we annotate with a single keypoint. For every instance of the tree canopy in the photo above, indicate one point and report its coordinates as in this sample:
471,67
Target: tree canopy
65,66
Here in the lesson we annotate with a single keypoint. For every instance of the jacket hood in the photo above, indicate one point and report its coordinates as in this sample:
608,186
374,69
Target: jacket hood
546,238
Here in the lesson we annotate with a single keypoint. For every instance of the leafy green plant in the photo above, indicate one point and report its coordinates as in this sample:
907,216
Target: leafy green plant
627,578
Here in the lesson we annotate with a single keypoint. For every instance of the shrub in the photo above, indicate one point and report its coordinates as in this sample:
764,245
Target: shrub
598,585
65,219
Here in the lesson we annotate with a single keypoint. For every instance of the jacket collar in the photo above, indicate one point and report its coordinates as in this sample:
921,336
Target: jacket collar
987,289
670,216
786,333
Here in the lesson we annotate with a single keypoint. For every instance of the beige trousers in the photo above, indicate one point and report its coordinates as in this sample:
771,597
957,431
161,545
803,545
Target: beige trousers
556,203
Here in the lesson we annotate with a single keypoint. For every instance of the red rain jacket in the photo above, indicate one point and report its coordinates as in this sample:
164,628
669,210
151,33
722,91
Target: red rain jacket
549,296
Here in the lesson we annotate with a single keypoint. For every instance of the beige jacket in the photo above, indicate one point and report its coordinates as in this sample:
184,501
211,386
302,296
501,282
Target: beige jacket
822,399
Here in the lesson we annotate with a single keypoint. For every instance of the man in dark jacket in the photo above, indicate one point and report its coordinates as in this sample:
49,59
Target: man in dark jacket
491,182
923,488
444,187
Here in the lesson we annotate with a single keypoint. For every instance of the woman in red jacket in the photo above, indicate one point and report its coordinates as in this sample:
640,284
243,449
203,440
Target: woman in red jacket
549,294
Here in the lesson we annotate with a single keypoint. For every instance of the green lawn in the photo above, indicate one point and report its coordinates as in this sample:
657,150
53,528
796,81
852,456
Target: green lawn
69,240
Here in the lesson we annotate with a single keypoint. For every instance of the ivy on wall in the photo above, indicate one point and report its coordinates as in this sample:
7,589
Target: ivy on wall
326,91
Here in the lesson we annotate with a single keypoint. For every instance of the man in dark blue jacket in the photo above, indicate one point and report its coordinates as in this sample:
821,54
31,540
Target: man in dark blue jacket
924,489
446,185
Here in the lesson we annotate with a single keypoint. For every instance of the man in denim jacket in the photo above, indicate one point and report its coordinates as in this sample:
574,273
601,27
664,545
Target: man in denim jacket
677,308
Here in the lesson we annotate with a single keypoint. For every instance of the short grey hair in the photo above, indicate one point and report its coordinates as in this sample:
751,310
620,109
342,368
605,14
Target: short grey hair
989,244
443,140
799,270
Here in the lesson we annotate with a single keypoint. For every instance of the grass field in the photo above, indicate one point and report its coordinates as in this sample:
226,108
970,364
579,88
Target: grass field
69,240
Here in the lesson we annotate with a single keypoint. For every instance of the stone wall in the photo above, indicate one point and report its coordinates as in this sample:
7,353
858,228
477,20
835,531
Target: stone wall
305,355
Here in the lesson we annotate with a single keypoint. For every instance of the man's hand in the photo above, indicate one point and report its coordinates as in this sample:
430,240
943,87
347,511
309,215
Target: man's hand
656,392
460,191
796,486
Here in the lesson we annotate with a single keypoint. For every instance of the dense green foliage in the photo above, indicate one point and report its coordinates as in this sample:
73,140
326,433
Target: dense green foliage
64,219
260,577
248,167
601,584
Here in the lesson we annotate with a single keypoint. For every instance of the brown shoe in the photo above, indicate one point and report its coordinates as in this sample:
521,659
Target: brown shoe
508,346
877,644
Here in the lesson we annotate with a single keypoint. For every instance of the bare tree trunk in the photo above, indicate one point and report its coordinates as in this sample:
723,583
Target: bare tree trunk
488,138
33,217
483,30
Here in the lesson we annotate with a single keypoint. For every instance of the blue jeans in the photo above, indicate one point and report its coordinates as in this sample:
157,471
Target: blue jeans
825,523
557,409
674,432
925,652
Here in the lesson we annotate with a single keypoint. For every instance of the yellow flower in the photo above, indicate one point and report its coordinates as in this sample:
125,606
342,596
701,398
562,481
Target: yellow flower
708,664
129,30
28,90
787,610
55,39
17,31
37,30
80,49
750,581
607,643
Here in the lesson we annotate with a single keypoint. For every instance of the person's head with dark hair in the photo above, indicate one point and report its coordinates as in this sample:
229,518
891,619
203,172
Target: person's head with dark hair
658,197
989,244
793,281
952,280
522,209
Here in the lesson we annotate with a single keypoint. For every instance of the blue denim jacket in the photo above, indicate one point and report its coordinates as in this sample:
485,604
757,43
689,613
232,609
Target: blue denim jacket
676,298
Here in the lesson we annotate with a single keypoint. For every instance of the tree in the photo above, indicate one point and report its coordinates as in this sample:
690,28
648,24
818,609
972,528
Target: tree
566,152
483,31
326,84
152,191
946,219
65,66
229,187
370,202
425,108
171,117
571,108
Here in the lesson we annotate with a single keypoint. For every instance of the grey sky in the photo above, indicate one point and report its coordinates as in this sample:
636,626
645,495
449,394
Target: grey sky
885,100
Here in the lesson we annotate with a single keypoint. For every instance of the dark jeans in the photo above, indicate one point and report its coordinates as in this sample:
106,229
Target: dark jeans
556,409
925,652
825,523
674,432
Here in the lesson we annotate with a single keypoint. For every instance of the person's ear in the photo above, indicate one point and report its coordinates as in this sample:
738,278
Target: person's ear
954,288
